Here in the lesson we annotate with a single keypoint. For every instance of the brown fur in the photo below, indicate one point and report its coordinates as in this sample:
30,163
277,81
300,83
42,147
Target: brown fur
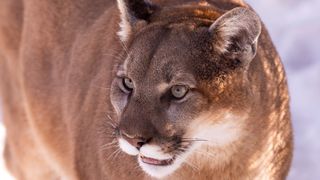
57,63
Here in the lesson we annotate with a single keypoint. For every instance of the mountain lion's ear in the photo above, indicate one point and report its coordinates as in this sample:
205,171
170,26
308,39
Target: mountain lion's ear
236,34
132,11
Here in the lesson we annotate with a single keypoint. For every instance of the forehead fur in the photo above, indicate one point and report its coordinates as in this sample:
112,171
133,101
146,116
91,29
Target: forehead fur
164,50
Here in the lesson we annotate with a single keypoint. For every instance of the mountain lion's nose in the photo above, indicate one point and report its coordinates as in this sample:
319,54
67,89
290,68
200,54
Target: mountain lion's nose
137,142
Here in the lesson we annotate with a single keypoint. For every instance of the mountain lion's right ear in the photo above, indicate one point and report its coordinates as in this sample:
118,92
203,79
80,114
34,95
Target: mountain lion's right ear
133,11
235,34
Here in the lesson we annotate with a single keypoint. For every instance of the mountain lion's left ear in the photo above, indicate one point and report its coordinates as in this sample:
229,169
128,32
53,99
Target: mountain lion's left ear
131,12
236,33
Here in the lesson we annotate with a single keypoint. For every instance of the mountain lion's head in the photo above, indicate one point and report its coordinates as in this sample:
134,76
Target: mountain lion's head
182,84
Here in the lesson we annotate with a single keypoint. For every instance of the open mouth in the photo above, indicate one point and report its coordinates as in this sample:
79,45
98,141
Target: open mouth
156,162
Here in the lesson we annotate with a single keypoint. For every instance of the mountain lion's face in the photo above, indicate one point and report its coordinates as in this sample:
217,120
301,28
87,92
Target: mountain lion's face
182,86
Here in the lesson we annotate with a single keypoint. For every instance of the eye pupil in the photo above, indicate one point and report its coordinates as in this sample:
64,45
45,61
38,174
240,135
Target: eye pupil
179,91
128,84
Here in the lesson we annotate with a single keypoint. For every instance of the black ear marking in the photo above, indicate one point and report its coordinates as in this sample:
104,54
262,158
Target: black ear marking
235,34
132,11
140,9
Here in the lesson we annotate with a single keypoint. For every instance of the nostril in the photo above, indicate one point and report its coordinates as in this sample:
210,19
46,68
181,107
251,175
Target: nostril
140,142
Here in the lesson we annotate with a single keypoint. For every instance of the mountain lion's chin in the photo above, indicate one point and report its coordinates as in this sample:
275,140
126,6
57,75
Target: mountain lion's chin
153,160
160,168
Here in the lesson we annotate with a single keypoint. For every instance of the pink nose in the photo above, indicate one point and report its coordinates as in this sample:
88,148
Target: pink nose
137,142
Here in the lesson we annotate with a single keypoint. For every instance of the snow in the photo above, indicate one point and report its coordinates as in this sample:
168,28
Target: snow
294,26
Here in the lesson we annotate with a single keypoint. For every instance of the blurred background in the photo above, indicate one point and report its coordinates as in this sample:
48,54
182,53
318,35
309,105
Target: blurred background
294,26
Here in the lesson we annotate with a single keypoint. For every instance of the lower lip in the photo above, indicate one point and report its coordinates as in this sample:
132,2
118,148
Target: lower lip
156,162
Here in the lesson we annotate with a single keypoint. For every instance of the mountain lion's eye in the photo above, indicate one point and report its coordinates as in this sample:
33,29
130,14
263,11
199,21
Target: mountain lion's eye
127,84
179,91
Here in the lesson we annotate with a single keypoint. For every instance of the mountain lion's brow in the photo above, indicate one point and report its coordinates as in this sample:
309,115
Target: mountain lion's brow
185,79
179,79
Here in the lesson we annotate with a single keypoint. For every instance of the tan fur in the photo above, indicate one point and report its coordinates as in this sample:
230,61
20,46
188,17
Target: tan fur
57,63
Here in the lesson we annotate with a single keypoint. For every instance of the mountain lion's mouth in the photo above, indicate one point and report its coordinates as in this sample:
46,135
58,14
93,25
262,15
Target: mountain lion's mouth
156,162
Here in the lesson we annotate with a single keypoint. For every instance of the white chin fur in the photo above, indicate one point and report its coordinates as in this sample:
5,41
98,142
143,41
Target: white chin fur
160,171
127,148
155,152
152,151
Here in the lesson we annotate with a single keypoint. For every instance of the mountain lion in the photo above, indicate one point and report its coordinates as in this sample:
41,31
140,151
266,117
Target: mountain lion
134,89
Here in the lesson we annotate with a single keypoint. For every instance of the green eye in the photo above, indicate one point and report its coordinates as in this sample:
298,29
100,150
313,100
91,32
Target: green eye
127,84
179,91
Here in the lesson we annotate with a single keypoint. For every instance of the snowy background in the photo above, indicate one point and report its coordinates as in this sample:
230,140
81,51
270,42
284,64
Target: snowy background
294,26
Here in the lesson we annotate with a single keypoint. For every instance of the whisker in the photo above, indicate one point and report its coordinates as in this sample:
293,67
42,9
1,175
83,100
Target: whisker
206,154
109,147
112,154
194,167
112,125
112,55
124,47
111,143
193,139
117,154
112,137
109,117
